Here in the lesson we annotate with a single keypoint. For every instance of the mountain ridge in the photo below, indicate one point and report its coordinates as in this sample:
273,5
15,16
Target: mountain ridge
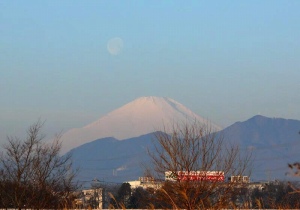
275,142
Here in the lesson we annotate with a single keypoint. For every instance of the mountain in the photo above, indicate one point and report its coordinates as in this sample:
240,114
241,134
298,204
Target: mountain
111,160
275,142
141,116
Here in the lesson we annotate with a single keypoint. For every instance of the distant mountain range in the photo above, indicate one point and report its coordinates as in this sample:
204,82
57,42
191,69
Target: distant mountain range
275,142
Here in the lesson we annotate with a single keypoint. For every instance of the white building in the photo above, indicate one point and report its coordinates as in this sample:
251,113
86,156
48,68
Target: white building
240,179
92,198
145,182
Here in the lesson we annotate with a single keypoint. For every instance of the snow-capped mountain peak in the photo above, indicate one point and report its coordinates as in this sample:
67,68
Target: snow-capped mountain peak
141,116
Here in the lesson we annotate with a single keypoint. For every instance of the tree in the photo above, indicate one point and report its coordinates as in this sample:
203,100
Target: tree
197,149
33,174
121,198
140,198
294,172
124,193
275,195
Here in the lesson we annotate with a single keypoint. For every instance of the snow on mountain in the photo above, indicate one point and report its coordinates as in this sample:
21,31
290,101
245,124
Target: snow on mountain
141,116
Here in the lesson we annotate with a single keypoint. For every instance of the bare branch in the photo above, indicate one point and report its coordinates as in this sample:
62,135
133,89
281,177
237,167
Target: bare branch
191,148
33,173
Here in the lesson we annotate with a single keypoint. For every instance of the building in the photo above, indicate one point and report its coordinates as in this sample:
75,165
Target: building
90,198
212,176
145,182
240,179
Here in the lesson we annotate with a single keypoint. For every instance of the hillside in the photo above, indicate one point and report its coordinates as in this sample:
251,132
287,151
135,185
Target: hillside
273,141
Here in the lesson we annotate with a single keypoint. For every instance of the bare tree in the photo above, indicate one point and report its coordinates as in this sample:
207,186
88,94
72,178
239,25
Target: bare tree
33,174
294,172
196,149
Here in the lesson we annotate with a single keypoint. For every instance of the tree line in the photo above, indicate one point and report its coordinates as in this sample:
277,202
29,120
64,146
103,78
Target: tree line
274,195
33,174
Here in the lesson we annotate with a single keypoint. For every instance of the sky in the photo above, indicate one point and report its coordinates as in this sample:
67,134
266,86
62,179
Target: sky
70,62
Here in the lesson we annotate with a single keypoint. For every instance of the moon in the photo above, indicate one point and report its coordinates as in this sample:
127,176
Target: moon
115,46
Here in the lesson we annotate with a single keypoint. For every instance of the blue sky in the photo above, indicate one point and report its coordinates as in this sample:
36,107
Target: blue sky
225,60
